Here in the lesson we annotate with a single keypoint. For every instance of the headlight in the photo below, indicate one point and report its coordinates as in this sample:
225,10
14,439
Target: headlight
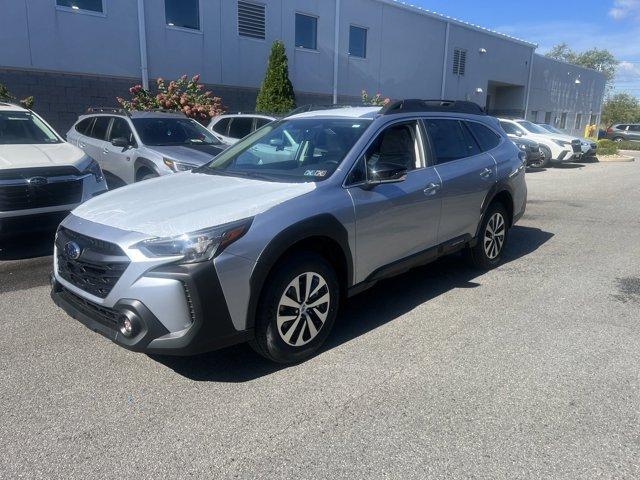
521,146
562,143
94,169
177,166
197,246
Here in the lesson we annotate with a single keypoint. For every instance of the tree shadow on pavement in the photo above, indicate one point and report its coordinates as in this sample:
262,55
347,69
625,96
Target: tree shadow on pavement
381,304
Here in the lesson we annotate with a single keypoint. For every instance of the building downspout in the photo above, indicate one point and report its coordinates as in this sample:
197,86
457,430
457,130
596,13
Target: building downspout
528,95
336,53
445,61
142,35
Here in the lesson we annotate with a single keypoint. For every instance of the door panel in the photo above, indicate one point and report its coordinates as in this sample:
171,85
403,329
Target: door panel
396,220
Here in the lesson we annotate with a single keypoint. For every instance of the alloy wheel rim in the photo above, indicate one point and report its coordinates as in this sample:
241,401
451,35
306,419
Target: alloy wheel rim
494,236
303,309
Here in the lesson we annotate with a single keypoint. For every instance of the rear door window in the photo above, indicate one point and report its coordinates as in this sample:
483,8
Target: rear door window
486,138
240,127
451,140
84,126
100,127
222,126
511,129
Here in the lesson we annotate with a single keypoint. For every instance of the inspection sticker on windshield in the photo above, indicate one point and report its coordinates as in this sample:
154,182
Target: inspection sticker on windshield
315,173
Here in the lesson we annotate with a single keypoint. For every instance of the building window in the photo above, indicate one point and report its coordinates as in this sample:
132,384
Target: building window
593,119
87,5
578,121
459,61
533,116
357,41
547,118
306,31
183,13
251,20
563,121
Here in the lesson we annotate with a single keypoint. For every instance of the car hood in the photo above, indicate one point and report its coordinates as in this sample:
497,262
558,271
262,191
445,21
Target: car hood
193,154
42,155
186,202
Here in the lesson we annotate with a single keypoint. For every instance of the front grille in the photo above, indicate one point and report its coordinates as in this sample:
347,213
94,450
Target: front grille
24,173
106,316
97,269
24,196
577,146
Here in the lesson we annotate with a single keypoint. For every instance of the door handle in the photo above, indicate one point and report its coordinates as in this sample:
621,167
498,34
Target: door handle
486,173
105,150
432,189
81,145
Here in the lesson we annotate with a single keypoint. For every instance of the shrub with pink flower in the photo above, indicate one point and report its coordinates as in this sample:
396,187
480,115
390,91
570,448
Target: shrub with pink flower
377,100
184,94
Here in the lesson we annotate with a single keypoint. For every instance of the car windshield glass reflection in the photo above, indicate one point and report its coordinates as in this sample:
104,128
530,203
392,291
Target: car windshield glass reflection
173,131
297,150
24,128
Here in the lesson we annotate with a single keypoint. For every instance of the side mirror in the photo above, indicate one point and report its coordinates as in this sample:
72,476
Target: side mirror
386,173
519,133
277,142
120,142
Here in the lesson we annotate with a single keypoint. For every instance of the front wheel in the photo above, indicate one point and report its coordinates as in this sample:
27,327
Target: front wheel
545,158
297,309
487,253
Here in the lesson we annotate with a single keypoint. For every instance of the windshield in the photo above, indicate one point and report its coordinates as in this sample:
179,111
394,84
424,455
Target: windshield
24,128
173,131
532,127
296,150
552,129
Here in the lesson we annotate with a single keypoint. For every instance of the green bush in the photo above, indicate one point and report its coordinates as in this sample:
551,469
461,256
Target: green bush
627,145
276,92
607,147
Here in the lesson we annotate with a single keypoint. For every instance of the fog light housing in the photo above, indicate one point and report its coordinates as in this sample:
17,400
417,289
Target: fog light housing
128,326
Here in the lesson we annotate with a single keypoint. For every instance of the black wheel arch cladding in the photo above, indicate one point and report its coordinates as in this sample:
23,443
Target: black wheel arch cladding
323,226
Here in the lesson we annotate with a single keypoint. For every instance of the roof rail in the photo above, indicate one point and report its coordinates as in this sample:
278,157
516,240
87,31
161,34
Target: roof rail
119,111
165,110
417,105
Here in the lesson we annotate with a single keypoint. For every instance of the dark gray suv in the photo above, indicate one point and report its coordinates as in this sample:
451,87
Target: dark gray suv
264,242
624,131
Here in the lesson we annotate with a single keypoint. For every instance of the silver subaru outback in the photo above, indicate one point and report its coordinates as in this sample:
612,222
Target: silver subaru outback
264,242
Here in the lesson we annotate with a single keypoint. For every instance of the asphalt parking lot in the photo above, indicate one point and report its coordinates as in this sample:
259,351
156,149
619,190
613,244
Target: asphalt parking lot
528,371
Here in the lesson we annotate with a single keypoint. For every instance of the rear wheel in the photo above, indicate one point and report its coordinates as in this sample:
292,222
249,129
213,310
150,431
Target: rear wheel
618,139
487,253
297,309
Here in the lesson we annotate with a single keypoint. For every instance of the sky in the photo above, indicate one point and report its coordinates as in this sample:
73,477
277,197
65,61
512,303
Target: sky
610,24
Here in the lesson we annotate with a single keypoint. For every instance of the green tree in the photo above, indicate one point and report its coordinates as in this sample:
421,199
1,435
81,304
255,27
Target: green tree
621,108
276,92
598,59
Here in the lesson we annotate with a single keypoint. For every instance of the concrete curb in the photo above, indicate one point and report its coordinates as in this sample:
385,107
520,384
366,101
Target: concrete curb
615,158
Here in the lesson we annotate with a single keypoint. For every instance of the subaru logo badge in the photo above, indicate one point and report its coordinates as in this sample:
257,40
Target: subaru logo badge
72,250
37,181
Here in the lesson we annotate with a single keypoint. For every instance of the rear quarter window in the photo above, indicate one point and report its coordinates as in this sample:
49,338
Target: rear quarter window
486,138
222,126
84,126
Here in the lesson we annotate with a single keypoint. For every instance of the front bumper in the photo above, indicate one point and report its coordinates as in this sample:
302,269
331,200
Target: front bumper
211,327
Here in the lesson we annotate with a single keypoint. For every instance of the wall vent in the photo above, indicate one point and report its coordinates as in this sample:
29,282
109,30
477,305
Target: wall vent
251,19
459,61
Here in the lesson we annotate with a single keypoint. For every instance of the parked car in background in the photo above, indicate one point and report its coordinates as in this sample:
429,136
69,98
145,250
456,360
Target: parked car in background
624,131
231,127
536,158
588,146
252,248
135,146
556,147
42,177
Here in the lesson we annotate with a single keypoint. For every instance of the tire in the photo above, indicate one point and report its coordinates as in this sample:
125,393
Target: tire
286,330
487,253
618,139
543,162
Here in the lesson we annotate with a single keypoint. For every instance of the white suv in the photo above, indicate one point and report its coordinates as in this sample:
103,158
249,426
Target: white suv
42,177
230,128
556,147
